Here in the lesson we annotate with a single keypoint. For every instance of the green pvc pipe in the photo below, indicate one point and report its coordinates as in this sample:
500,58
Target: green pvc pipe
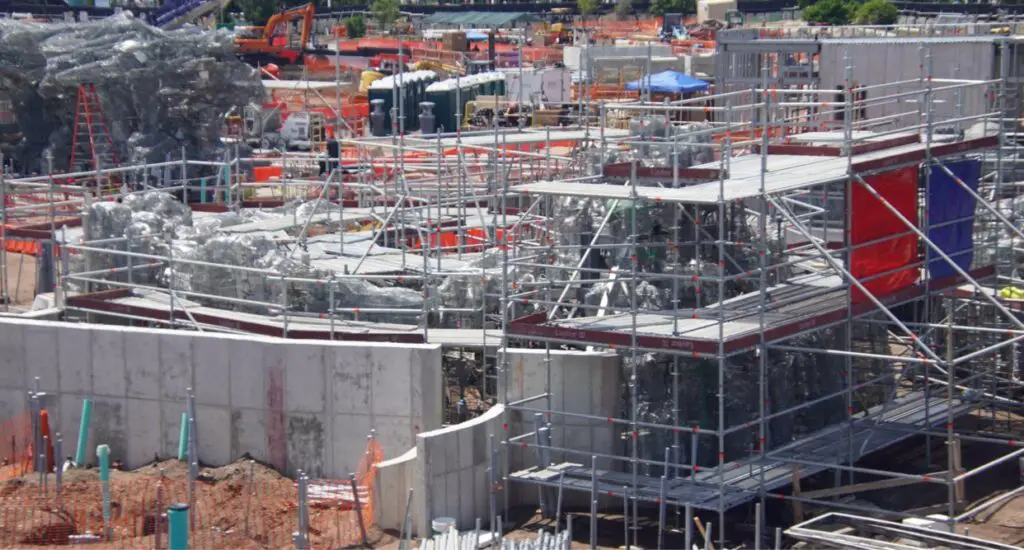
227,179
177,531
183,438
202,191
83,432
103,454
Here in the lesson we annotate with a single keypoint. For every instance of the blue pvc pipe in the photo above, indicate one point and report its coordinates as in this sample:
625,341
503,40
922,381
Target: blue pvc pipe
177,531
183,438
103,454
83,432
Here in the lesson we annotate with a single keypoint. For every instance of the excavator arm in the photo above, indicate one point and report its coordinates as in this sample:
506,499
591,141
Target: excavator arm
264,49
305,12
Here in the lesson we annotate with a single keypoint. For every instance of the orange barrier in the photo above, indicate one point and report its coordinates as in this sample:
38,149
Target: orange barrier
266,173
23,246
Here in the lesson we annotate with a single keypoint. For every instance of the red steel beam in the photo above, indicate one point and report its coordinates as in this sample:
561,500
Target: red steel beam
873,146
625,170
800,150
100,301
919,154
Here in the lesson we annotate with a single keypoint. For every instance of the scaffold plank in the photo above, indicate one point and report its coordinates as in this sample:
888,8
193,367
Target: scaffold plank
796,174
739,481
156,306
790,309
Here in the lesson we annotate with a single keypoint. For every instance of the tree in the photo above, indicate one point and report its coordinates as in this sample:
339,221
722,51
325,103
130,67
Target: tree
832,12
876,12
661,7
624,9
586,7
355,26
256,12
386,12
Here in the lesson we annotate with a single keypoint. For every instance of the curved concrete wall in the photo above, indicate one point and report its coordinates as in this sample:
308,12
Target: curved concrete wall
449,469
449,472
295,404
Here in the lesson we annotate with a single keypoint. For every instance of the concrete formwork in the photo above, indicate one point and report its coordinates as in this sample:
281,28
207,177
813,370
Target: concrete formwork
294,404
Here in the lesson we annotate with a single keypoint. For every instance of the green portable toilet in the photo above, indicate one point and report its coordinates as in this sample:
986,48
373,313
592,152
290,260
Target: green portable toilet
501,85
437,93
383,90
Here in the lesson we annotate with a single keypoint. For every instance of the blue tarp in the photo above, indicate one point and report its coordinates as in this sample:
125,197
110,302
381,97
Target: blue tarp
669,82
476,36
948,201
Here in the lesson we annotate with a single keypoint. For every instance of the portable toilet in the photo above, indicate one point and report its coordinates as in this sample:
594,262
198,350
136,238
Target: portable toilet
501,84
383,90
442,95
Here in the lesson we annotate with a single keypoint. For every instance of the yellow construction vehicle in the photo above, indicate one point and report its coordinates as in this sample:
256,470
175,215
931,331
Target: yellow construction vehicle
443,70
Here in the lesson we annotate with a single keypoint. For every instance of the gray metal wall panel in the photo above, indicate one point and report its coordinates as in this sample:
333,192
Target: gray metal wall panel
886,63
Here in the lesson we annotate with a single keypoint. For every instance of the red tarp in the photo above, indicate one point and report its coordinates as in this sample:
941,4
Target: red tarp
872,220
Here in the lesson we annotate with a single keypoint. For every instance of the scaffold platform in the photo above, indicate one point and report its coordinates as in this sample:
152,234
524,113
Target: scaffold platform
805,303
904,415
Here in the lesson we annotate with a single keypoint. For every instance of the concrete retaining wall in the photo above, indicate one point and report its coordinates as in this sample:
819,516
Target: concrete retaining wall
581,383
294,404
448,469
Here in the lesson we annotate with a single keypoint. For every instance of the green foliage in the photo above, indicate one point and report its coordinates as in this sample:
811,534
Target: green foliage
624,9
876,12
386,12
355,26
661,7
586,7
256,12
832,12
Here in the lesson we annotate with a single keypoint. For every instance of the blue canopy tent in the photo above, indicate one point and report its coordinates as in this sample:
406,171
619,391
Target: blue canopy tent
669,82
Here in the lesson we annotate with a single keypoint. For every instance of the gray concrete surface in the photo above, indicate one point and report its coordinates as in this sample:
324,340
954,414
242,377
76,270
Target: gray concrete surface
295,404
448,468
449,473
581,383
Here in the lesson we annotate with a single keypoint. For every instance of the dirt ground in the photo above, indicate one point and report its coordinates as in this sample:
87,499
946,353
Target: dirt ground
224,509
22,283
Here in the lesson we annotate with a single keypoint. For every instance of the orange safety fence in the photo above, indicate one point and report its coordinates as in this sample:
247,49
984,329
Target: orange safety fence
475,239
15,445
325,64
598,92
686,47
231,508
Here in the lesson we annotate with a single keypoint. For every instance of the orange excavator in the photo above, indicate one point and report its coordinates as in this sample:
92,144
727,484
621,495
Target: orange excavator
276,42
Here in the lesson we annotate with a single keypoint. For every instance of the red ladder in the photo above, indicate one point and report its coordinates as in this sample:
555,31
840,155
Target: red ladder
92,147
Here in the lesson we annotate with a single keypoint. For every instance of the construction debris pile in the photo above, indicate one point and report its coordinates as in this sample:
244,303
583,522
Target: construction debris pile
158,91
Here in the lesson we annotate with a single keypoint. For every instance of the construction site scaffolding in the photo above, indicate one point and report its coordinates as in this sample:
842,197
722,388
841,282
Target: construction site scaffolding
952,363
